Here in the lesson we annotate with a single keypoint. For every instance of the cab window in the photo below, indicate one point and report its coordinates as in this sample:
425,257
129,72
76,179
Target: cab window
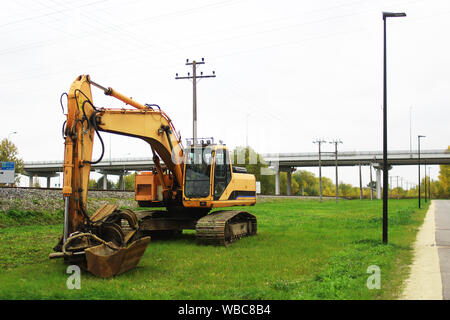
222,172
198,172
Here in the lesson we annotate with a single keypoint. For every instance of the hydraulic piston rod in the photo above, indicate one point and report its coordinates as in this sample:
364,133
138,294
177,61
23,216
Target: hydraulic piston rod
111,92
66,219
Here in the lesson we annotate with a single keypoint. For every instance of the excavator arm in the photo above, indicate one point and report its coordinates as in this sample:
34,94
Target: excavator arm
85,121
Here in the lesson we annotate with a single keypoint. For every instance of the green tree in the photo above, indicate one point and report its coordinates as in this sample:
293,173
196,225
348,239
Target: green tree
307,182
10,153
328,188
129,181
345,189
92,184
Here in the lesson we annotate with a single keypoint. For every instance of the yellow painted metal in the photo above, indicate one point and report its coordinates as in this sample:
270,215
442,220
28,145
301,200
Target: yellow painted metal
238,182
241,182
146,125
78,148
67,167
143,123
123,98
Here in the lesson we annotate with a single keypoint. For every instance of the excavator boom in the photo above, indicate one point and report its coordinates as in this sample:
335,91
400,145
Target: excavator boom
84,121
83,235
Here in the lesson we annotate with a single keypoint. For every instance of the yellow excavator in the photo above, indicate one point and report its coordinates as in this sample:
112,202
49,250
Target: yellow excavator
189,184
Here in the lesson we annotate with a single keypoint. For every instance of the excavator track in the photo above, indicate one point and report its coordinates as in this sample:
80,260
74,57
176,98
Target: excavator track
221,228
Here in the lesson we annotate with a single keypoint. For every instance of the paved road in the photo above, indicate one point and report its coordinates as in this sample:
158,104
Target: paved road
442,221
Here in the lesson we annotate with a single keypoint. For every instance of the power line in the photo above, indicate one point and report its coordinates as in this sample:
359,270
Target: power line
336,142
194,78
139,57
46,14
95,19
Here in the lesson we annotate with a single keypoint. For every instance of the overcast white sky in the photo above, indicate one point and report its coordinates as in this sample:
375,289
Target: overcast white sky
301,70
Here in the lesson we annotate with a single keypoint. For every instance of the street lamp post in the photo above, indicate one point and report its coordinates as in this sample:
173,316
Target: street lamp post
418,160
385,164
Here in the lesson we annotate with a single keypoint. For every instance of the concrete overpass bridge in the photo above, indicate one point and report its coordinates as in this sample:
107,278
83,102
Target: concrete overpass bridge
279,162
287,162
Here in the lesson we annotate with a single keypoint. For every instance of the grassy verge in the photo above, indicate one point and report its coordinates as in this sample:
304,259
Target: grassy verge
304,250
16,218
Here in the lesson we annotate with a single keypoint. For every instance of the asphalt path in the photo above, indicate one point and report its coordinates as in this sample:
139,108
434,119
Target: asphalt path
442,222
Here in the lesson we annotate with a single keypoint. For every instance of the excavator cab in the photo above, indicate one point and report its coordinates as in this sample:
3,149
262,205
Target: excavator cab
197,177
210,179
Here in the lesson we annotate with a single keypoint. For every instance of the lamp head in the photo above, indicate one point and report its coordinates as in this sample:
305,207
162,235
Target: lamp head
393,14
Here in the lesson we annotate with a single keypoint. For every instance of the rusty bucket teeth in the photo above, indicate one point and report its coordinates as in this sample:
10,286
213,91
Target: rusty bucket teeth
224,227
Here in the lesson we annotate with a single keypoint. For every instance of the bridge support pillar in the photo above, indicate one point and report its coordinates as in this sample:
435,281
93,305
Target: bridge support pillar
379,170
48,182
30,181
105,181
378,173
277,181
121,184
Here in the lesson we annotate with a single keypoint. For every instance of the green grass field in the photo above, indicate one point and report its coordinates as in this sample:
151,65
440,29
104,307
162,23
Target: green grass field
303,250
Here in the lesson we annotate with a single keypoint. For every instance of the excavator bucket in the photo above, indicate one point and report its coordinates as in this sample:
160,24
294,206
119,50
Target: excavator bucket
112,245
105,260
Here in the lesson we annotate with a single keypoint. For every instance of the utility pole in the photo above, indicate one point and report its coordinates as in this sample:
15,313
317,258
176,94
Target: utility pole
360,184
336,142
371,186
319,142
194,78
